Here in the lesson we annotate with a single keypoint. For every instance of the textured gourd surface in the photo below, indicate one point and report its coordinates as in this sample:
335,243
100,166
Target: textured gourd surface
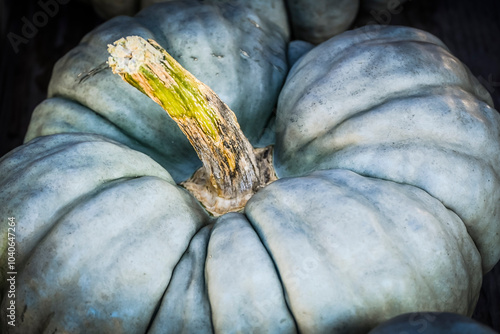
222,45
105,230
49,174
103,227
316,21
363,249
394,104
340,243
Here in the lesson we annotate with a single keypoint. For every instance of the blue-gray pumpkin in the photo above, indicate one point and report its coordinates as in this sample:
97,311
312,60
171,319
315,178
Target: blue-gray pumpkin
387,150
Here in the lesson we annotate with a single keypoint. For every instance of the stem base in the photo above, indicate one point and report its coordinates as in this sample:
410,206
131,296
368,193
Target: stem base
200,186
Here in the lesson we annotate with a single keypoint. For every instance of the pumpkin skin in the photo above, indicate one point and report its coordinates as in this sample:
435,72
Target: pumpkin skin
396,105
317,21
432,323
337,225
79,190
224,45
315,238
136,226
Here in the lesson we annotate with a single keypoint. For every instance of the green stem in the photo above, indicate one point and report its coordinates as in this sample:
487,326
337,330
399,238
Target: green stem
231,172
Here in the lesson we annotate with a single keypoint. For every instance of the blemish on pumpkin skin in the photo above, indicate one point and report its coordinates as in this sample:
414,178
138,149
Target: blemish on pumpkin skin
254,23
244,53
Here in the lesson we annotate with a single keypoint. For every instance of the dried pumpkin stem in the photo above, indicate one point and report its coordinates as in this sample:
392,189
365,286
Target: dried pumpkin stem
231,173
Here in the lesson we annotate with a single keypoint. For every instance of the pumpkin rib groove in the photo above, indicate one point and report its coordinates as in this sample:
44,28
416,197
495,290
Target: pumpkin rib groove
395,97
238,262
428,218
144,144
111,130
459,201
276,268
51,152
160,301
267,135
273,198
125,188
374,175
406,146
426,93
70,147
173,311
67,98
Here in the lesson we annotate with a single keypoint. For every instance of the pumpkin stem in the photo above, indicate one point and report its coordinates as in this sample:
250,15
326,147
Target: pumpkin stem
232,172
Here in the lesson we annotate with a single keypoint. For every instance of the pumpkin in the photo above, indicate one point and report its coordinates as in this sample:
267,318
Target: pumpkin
396,112
101,247
433,323
367,220
317,21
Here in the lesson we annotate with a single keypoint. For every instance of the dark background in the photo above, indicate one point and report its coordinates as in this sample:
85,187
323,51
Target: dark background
471,29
